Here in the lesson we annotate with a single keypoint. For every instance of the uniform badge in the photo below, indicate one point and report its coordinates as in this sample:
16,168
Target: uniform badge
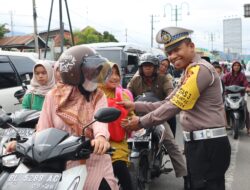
165,37
187,95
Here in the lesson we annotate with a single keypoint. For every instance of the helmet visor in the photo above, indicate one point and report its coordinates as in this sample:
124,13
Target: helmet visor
95,68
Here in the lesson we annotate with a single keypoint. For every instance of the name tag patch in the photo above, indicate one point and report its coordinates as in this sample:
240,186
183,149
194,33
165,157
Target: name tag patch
186,97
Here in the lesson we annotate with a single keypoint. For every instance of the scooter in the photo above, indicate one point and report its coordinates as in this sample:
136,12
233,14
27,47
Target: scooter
235,106
21,122
147,152
43,159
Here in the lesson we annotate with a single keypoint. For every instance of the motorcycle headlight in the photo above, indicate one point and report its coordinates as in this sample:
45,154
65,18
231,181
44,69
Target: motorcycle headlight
10,161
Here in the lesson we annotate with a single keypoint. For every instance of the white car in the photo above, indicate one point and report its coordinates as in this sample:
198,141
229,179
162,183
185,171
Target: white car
15,72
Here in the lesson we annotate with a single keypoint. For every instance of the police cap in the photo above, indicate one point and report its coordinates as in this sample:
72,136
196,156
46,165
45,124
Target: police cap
172,37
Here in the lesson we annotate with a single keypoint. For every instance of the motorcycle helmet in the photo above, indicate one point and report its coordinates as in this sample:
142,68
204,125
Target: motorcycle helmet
162,57
148,58
82,65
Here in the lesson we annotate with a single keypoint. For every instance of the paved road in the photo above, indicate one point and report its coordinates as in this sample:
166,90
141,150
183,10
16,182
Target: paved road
169,181
237,176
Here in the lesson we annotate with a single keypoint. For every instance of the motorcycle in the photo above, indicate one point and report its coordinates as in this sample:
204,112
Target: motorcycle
235,106
147,152
43,159
21,122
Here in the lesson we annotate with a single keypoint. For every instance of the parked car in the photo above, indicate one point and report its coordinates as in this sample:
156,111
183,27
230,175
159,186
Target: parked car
15,73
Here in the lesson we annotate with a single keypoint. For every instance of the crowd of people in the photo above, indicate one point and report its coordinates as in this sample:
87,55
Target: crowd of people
82,82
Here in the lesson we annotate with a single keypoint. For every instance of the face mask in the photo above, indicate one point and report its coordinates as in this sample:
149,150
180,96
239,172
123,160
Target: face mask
89,85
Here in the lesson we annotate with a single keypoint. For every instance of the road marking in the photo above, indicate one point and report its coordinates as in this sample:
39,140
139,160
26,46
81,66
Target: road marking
230,172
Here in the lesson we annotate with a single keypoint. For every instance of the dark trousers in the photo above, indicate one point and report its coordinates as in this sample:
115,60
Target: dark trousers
104,185
207,162
122,173
172,124
247,118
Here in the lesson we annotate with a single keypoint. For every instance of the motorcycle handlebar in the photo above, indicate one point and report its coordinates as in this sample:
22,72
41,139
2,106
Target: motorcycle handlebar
87,148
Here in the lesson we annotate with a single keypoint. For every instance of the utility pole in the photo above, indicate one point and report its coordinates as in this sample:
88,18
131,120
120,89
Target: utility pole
176,15
11,23
176,11
212,41
126,35
152,30
61,25
35,27
211,38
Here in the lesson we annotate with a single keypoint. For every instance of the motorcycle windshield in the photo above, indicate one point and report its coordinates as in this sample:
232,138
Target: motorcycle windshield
45,141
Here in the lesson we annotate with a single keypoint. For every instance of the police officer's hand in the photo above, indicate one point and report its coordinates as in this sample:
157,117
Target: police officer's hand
131,123
130,106
100,144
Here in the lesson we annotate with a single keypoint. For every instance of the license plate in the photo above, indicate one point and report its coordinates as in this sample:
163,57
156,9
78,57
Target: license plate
139,139
32,181
24,132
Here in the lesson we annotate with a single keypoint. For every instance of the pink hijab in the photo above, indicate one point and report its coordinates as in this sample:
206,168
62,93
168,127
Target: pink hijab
38,89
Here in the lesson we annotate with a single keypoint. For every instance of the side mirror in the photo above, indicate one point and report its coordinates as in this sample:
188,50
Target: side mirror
19,94
106,115
4,118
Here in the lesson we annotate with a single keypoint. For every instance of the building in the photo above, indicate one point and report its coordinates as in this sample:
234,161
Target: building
25,43
54,42
232,36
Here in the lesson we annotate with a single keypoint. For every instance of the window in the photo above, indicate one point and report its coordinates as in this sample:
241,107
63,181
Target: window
24,67
8,77
132,66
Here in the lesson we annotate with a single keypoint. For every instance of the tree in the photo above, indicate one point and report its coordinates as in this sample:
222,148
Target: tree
107,37
90,35
3,30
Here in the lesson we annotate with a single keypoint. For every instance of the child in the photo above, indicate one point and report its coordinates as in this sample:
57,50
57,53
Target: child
43,80
114,93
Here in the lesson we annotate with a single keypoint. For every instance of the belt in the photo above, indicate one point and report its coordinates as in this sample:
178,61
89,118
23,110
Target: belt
205,134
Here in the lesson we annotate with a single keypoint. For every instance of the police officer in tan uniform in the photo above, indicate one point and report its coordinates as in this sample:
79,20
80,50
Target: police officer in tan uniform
199,102
149,80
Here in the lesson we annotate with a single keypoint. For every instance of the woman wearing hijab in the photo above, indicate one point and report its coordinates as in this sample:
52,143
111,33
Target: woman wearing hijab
43,80
72,104
118,136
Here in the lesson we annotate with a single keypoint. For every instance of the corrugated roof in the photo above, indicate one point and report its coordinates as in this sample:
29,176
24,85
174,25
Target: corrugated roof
16,40
23,42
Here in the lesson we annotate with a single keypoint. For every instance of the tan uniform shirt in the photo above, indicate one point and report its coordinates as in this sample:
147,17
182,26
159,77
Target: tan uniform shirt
198,99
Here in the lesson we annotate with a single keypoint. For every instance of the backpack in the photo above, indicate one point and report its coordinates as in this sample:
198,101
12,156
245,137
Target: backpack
117,133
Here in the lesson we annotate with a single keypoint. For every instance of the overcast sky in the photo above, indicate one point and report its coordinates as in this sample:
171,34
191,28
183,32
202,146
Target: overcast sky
116,16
